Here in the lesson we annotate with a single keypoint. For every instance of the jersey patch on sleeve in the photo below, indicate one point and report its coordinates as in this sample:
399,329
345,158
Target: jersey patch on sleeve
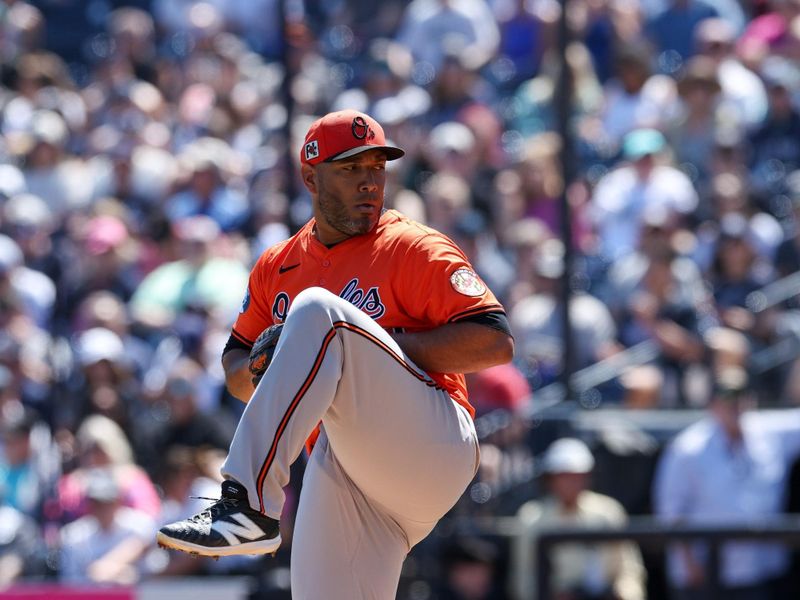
466,281
246,301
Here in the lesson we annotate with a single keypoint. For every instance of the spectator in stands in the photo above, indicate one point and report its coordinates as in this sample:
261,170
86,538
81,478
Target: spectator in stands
455,176
729,468
533,109
32,289
715,38
447,201
21,546
199,279
502,387
769,32
642,387
694,130
106,546
487,129
24,350
661,235
635,98
51,172
26,479
533,188
102,444
579,571
441,28
787,255
776,143
737,270
672,30
184,485
133,33
188,425
732,199
541,184
667,312
525,30
107,311
207,193
456,87
728,349
28,221
102,257
470,570
451,149
104,381
24,27
120,166
523,239
644,181
536,321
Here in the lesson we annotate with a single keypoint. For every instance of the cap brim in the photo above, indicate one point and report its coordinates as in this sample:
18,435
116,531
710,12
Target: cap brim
392,153
642,153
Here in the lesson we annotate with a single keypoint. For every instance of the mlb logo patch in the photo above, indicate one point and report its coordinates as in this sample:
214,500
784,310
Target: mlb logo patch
312,150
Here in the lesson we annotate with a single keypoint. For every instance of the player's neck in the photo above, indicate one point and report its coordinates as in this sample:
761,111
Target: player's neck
328,245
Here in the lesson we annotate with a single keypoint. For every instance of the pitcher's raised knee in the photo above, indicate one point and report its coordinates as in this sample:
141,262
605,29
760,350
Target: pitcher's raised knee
314,298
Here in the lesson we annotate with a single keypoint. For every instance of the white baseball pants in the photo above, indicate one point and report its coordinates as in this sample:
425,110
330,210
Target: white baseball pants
395,453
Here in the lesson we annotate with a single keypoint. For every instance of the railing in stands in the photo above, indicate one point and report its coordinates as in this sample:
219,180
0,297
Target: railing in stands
648,532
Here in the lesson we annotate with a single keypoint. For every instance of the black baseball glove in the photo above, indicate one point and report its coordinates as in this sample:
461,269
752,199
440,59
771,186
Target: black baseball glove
262,351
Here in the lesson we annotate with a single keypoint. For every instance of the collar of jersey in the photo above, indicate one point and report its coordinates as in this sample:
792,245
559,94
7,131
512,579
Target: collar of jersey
314,246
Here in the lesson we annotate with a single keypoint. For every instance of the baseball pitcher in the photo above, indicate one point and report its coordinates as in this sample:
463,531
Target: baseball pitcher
352,340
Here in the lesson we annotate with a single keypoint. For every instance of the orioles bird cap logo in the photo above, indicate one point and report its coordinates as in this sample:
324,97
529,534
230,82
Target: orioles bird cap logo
361,129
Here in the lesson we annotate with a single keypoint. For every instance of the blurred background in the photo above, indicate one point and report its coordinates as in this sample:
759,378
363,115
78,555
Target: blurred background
635,160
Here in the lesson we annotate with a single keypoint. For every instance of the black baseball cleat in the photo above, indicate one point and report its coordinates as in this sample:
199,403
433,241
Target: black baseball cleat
226,528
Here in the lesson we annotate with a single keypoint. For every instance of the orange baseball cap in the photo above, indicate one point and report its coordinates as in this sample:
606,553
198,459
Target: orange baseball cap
343,134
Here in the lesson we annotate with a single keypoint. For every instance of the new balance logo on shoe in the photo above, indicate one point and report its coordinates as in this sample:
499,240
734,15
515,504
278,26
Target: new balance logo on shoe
232,532
226,528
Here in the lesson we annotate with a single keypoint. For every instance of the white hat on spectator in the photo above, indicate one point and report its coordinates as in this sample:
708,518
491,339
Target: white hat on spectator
737,226
49,127
97,344
10,254
568,455
716,30
12,181
451,136
550,259
27,210
101,486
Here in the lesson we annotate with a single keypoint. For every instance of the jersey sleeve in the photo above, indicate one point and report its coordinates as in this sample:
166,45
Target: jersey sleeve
255,314
438,285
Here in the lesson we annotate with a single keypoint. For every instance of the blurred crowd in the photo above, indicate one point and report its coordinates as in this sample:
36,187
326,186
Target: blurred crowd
148,155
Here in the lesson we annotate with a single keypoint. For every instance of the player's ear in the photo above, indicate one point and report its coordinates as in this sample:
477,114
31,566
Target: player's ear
309,175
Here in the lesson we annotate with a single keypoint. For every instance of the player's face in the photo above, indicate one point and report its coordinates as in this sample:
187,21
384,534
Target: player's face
349,195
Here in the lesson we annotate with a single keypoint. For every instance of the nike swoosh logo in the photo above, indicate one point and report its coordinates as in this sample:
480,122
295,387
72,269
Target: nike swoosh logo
283,269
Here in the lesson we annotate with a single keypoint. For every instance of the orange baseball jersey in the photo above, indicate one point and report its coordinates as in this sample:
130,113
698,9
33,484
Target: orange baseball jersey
402,274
